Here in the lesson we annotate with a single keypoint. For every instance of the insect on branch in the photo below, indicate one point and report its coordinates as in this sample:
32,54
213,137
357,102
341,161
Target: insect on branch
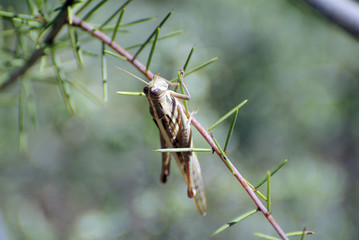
148,74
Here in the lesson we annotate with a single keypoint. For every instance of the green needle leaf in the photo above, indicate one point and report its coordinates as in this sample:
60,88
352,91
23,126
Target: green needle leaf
138,21
234,221
182,91
183,150
97,6
113,54
83,6
38,4
172,34
272,173
268,192
31,7
256,191
219,147
152,34
75,45
152,49
78,49
228,114
303,233
230,131
130,93
117,25
42,63
85,92
201,66
69,14
62,82
114,14
299,233
14,16
21,113
29,93
12,32
265,236
291,234
223,155
188,59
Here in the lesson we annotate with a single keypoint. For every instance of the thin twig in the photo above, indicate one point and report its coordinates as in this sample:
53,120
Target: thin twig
59,22
343,13
107,40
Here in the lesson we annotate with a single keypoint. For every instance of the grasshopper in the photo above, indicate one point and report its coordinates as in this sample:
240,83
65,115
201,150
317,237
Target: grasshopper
175,132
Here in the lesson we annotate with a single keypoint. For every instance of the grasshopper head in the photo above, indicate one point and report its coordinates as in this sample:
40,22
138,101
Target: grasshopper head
156,88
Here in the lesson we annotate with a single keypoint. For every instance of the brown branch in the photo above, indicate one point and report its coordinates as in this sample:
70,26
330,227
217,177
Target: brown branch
107,40
59,22
240,178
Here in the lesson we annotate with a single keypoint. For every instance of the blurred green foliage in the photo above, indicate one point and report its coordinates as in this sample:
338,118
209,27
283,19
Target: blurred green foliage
94,175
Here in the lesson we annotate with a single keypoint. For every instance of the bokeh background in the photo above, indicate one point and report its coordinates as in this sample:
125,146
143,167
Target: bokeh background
94,175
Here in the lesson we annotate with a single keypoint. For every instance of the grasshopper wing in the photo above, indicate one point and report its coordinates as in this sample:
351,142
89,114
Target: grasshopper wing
197,183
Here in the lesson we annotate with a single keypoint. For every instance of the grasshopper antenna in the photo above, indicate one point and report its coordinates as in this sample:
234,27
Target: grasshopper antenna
133,75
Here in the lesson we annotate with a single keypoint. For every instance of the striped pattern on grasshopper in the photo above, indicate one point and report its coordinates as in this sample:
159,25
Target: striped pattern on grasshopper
175,132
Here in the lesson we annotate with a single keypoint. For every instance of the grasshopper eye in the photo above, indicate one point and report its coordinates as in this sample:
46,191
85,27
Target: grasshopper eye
156,91
145,90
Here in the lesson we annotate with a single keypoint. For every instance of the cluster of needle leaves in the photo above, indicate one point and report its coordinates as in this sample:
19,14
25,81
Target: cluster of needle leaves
33,41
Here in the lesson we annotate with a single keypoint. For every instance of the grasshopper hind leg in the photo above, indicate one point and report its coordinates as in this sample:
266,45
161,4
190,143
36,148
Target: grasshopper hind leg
166,160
